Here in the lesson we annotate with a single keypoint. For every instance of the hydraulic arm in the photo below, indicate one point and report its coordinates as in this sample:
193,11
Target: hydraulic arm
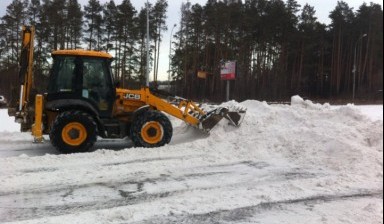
20,111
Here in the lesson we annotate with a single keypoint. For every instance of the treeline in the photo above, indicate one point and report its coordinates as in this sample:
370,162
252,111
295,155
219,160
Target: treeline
280,47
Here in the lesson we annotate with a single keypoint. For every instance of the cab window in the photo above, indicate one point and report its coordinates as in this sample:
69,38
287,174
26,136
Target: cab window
64,75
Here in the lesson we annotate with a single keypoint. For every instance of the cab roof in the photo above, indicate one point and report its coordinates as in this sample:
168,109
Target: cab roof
85,53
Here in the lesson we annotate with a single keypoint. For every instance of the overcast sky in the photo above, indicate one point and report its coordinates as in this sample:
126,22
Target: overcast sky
322,7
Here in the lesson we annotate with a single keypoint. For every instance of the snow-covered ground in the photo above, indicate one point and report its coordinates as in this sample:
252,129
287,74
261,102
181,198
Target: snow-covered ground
298,163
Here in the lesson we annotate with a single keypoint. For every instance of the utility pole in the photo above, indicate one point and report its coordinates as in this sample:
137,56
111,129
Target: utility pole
147,70
354,66
170,50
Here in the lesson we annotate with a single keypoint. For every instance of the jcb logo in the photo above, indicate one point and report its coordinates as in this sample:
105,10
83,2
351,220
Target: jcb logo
132,96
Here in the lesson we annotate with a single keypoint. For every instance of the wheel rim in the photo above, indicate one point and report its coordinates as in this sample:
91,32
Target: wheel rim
74,134
152,132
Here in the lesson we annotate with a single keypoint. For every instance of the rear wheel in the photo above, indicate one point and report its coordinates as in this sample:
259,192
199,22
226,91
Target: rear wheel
151,129
73,131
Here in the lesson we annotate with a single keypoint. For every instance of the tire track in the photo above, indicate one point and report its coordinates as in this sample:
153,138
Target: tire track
243,214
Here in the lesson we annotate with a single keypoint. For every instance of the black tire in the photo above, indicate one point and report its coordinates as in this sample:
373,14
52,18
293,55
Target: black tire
73,131
151,129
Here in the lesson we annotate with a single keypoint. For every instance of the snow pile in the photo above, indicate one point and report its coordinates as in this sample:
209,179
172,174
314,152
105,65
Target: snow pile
298,163
7,124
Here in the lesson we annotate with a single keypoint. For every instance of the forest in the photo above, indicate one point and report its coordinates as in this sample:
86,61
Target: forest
280,48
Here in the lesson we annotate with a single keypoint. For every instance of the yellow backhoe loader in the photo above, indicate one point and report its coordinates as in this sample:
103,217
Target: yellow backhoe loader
82,103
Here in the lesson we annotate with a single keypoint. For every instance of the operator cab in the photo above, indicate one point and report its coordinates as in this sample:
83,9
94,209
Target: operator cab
83,77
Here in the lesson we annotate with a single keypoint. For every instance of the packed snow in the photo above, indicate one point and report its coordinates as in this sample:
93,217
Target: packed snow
298,163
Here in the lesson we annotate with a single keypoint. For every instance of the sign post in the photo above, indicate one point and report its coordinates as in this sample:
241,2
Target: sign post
227,98
228,72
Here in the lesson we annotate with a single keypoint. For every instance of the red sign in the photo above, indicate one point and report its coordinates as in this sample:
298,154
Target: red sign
228,70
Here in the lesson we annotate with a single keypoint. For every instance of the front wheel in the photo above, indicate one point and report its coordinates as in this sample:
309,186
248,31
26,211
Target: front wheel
151,129
73,131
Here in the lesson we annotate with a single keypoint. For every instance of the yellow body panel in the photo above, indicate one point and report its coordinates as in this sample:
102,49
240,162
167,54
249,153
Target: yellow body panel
131,100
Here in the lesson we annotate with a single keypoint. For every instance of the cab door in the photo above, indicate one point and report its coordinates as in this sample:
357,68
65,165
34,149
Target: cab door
97,85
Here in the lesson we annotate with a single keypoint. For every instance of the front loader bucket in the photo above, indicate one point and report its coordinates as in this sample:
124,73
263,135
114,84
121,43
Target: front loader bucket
235,117
209,120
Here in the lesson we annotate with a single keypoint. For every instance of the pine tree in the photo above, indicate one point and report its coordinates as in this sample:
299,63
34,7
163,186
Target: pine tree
159,17
342,50
126,26
15,17
110,20
93,24
369,54
74,24
34,11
